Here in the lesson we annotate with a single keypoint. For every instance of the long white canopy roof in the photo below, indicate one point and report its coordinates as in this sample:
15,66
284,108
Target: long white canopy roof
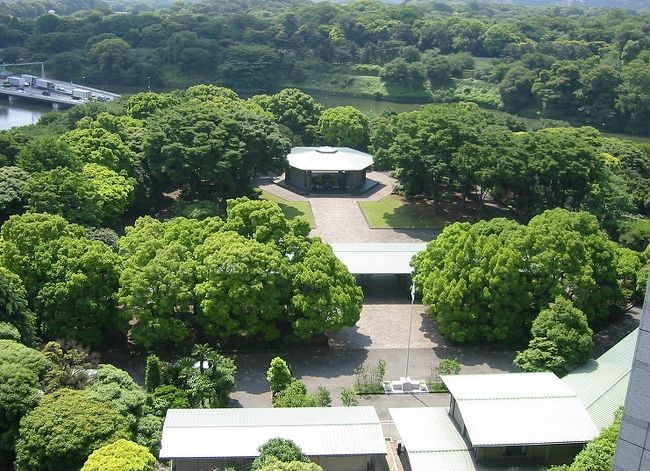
517,409
237,433
370,259
328,159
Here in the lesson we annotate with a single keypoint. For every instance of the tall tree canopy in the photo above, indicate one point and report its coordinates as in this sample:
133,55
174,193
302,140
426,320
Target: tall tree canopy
64,429
213,148
256,274
70,279
488,281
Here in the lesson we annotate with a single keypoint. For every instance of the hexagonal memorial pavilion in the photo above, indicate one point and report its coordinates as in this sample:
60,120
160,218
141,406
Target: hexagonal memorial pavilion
327,169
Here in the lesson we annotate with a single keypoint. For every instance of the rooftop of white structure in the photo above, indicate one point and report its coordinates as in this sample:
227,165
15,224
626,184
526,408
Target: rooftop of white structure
433,441
371,259
530,408
328,159
601,384
230,433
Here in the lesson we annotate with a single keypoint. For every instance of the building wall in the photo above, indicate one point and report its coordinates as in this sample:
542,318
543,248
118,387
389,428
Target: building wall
298,178
547,454
343,463
633,448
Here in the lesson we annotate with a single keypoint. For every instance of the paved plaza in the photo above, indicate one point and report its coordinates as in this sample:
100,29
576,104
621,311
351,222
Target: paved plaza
382,332
339,218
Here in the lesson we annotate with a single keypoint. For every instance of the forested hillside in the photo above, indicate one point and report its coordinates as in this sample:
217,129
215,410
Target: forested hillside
588,66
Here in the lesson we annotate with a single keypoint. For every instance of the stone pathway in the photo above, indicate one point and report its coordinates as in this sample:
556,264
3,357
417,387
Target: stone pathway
339,218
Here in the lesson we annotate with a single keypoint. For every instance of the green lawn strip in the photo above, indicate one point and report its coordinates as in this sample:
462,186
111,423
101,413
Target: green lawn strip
291,209
394,212
629,137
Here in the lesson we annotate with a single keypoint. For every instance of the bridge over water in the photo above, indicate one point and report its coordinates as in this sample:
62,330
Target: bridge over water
45,90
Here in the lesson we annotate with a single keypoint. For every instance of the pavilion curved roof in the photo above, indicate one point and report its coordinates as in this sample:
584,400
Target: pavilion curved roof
328,159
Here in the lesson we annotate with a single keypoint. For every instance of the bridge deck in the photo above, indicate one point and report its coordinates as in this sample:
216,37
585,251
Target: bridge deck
62,93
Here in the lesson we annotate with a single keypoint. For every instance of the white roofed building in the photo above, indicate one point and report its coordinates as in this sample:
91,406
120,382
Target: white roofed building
336,438
339,169
519,420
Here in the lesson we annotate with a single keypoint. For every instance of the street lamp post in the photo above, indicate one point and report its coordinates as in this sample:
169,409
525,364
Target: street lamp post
408,346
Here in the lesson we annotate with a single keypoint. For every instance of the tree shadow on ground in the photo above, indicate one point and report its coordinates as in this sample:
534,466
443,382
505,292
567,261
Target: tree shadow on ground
611,334
424,214
319,362
491,355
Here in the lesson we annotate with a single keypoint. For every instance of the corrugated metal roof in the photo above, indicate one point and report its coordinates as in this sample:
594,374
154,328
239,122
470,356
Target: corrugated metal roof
427,429
602,384
434,443
506,386
328,159
513,422
377,258
319,431
457,461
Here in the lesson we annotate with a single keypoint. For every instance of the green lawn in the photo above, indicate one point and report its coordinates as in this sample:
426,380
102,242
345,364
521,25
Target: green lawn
291,209
397,213
629,137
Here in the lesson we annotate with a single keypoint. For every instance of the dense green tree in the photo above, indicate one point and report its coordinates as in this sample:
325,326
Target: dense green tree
515,89
566,254
18,395
634,95
159,276
278,375
20,356
64,192
425,143
244,288
344,126
98,145
498,36
144,105
295,110
13,307
152,373
46,153
76,300
111,56
23,239
264,222
111,192
282,449
486,281
408,75
168,397
121,455
214,149
472,282
252,67
438,70
561,340
556,88
71,366
325,296
296,395
274,464
598,94
111,385
12,180
64,429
